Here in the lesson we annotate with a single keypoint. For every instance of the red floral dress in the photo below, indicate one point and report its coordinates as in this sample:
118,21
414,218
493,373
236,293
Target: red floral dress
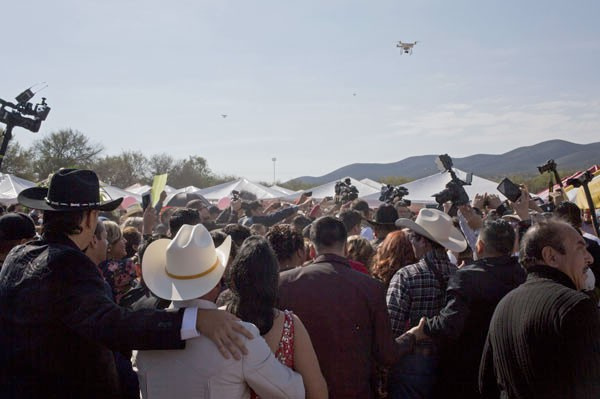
120,275
285,350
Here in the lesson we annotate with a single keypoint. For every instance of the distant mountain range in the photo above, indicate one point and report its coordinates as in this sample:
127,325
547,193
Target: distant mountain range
522,160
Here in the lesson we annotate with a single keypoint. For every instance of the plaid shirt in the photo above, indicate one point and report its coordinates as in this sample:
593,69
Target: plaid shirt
415,292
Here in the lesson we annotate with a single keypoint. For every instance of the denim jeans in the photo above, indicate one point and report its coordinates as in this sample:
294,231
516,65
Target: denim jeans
414,377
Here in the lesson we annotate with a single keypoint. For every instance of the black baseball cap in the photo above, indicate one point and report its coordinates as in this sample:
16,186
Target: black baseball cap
16,226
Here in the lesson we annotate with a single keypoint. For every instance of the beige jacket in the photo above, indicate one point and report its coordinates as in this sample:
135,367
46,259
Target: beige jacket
200,371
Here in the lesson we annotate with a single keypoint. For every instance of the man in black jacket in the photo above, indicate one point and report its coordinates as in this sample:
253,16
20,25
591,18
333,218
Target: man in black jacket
544,336
58,323
473,293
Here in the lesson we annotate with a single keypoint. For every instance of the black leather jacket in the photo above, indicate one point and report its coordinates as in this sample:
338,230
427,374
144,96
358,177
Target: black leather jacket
58,325
462,325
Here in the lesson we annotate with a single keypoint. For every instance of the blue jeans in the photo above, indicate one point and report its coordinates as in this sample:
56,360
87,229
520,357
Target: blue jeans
414,377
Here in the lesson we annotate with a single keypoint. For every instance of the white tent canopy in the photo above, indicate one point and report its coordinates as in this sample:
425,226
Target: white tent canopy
11,186
188,189
115,192
372,183
328,189
140,189
219,191
284,191
421,191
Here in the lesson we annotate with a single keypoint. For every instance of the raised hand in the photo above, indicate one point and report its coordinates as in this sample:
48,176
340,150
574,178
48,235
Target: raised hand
521,206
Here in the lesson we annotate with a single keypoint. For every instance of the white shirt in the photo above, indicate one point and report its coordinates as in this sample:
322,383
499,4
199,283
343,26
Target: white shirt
188,324
200,371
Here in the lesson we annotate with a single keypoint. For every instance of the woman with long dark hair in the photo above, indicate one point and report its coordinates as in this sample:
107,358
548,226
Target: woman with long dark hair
254,280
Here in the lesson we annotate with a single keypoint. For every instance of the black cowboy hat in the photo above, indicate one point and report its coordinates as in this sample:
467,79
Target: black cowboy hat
69,190
386,215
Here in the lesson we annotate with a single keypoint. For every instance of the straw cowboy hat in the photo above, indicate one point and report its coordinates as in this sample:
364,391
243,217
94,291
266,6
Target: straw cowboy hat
69,190
437,226
133,210
186,267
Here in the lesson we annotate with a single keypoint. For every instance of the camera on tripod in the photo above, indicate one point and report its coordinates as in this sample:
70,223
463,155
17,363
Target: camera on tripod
549,166
454,190
24,114
582,180
345,191
394,195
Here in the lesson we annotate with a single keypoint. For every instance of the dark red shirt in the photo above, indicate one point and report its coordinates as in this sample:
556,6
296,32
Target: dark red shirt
358,266
346,317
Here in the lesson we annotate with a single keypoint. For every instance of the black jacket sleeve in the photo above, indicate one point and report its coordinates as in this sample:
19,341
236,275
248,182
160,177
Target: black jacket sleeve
580,330
487,379
83,304
450,322
272,218
226,217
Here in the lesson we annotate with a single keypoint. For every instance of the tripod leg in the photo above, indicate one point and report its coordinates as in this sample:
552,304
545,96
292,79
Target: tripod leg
590,202
5,139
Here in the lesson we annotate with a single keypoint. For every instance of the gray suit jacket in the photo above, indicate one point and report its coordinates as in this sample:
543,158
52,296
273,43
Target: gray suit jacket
200,371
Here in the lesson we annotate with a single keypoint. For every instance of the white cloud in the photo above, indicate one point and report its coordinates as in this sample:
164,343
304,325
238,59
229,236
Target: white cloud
492,126
456,107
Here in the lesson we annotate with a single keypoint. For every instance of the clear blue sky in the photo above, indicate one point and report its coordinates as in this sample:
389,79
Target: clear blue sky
156,76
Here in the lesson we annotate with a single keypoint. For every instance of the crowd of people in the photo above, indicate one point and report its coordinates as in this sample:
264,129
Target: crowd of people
307,299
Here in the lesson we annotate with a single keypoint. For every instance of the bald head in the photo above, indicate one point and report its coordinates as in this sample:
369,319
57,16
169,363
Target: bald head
547,233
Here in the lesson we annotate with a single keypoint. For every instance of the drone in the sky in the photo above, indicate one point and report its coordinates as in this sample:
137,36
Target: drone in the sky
407,48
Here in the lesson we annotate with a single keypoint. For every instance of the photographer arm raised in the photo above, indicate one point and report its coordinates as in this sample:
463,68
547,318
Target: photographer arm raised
149,221
521,206
479,201
474,221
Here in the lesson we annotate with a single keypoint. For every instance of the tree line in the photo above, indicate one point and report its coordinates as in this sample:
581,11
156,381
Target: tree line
68,148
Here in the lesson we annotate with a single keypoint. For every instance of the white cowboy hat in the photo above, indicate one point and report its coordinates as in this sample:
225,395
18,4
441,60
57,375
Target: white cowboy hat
186,267
437,226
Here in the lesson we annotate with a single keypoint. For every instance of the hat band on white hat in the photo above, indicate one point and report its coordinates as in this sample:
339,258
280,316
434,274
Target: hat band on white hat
193,276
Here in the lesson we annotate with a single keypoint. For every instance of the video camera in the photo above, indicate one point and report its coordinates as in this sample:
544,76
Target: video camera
390,194
454,190
345,191
24,114
549,166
